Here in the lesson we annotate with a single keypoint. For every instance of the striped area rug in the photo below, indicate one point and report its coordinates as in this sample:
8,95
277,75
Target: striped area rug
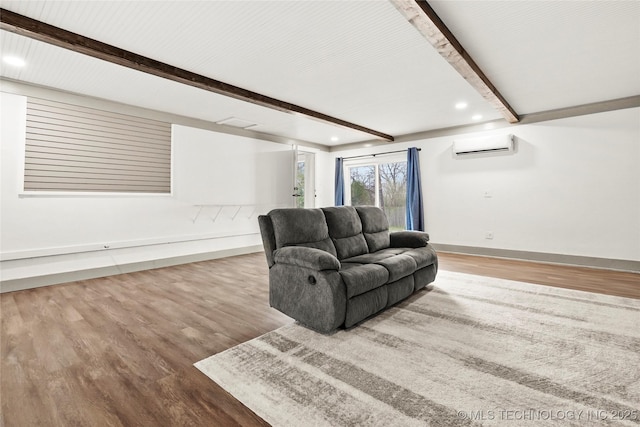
467,350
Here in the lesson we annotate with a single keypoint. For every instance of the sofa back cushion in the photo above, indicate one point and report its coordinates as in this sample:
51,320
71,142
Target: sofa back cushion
301,227
375,227
345,230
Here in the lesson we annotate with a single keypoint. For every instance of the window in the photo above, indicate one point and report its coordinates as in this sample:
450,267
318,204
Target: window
304,186
393,193
71,148
383,184
299,185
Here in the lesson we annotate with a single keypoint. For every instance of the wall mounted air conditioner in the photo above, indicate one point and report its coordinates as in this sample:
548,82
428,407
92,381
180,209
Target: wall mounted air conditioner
487,144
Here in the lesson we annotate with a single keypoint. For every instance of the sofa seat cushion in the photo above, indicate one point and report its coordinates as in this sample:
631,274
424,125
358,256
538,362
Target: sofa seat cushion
391,251
373,257
345,230
422,256
363,278
399,266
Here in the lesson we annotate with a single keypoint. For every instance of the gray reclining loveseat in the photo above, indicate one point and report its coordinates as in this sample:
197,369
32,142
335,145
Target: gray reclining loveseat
336,266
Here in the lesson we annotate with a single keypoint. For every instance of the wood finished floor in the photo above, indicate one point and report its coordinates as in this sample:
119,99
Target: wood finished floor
118,351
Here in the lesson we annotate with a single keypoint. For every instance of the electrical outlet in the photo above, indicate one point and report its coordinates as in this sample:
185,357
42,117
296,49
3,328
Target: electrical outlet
488,235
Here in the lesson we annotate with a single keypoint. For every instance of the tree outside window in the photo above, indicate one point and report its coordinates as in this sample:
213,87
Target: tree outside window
393,193
299,185
383,185
363,185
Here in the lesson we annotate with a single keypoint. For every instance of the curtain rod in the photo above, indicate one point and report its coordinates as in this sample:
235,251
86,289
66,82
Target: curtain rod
377,154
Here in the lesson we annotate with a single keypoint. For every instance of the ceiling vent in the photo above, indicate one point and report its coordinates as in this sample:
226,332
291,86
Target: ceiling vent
487,144
237,123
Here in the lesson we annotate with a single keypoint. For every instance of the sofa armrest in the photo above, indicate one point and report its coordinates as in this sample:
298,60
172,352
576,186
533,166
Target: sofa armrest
301,256
408,239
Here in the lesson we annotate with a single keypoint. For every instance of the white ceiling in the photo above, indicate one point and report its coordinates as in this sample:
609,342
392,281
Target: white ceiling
360,61
545,55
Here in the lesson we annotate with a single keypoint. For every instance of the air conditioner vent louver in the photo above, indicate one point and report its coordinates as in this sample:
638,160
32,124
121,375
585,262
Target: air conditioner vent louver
488,144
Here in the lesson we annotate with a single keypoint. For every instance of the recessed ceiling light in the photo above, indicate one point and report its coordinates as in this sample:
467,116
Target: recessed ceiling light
476,117
14,61
461,105
334,139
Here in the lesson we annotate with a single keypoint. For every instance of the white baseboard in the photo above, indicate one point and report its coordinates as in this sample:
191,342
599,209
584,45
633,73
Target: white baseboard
92,273
582,261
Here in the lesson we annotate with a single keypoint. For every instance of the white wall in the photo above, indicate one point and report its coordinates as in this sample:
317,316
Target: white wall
325,166
49,235
572,187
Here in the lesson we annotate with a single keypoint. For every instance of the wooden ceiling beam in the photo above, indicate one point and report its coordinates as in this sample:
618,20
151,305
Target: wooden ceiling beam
420,14
25,26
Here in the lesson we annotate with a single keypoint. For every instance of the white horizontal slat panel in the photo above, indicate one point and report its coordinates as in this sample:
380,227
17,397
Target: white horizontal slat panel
74,148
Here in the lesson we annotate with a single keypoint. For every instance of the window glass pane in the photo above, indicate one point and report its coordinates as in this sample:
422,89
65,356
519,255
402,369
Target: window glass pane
393,193
363,185
299,185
